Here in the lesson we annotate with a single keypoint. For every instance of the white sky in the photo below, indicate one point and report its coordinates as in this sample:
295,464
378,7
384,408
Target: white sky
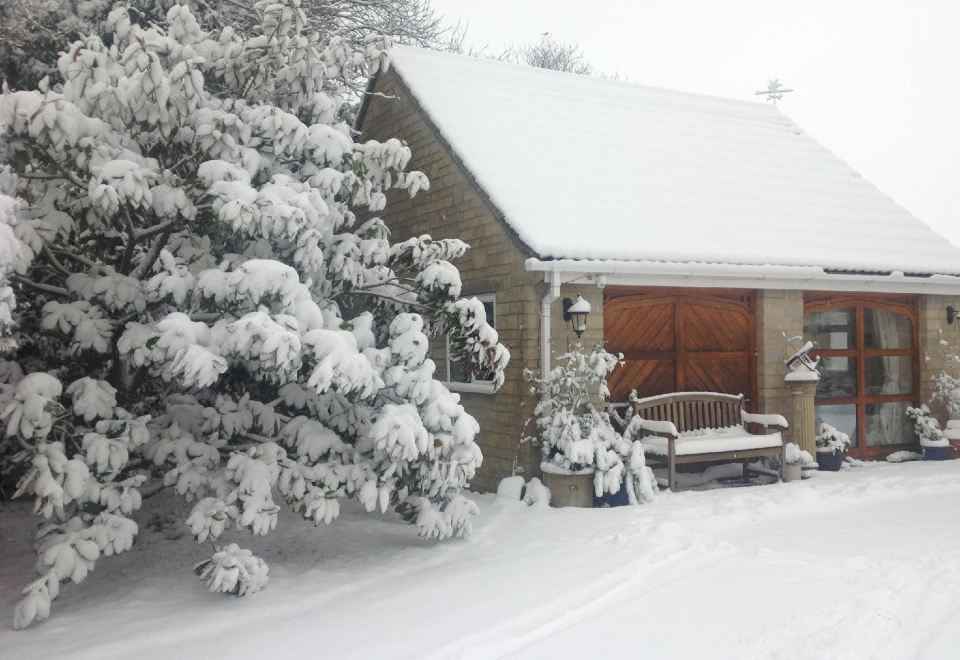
877,82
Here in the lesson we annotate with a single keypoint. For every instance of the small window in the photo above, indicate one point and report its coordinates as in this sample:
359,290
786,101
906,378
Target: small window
458,377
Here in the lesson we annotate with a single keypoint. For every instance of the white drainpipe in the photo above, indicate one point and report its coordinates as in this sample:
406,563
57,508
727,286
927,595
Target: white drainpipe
552,279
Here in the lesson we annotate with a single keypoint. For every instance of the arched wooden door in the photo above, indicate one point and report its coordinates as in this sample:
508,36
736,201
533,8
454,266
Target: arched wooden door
681,340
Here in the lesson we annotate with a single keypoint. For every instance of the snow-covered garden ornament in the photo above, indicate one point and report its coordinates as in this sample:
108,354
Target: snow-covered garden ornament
774,91
189,300
577,439
800,364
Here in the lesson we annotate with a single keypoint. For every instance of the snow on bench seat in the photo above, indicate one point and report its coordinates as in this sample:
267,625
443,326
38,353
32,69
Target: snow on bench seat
712,441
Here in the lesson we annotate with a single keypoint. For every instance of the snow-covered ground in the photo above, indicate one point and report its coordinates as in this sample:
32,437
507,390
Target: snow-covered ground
859,564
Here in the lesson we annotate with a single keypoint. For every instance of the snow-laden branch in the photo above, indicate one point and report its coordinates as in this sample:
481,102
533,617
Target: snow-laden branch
222,326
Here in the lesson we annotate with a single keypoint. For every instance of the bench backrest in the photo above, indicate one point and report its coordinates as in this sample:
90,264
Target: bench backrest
692,410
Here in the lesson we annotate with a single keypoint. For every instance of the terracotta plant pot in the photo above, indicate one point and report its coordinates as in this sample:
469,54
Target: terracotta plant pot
570,489
952,434
828,461
792,472
954,449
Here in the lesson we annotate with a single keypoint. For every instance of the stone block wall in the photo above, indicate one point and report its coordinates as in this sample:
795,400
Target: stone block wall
454,207
932,322
778,312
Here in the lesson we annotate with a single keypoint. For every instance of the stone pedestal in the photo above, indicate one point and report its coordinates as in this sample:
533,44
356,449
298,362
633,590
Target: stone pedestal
804,417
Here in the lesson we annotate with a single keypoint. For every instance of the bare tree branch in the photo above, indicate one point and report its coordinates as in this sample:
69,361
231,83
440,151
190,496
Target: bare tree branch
46,288
145,265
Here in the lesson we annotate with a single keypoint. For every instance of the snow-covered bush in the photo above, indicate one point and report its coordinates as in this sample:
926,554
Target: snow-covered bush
832,440
927,428
536,495
190,301
575,437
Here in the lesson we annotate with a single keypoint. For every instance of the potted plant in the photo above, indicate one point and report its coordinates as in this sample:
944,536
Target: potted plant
584,457
832,444
934,446
793,462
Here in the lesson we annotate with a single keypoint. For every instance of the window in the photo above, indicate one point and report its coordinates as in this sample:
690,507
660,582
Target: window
458,377
868,356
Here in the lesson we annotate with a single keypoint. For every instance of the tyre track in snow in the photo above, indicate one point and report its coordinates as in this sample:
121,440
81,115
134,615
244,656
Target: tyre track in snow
872,596
426,560
681,544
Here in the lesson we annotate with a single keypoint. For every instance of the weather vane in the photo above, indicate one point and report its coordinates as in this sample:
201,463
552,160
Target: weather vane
774,91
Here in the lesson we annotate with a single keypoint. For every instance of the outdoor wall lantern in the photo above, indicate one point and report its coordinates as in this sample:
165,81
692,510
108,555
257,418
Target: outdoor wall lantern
951,314
575,311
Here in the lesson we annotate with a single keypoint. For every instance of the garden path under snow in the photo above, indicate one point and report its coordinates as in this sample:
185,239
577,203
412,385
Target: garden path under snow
860,564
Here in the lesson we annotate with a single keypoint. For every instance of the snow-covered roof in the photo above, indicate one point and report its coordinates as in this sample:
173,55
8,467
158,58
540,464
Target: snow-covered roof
585,168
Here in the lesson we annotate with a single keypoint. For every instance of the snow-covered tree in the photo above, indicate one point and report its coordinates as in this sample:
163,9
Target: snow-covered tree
36,30
551,53
547,52
574,435
189,298
407,21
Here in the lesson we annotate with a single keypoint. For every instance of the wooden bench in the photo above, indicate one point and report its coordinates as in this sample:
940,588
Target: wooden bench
704,427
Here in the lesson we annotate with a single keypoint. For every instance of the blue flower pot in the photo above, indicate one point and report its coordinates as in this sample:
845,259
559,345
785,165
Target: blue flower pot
828,461
936,453
620,498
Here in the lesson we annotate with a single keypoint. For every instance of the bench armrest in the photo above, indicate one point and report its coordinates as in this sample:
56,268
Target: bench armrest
776,421
667,429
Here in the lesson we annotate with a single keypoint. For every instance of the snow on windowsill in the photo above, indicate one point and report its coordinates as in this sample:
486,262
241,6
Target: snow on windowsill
476,387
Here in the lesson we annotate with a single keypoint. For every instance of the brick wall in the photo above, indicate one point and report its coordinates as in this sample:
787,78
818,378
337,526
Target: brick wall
455,208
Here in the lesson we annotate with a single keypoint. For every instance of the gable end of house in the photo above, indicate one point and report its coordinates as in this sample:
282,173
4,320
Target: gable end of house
399,91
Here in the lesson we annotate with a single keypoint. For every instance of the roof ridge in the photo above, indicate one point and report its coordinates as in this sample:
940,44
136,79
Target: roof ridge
533,70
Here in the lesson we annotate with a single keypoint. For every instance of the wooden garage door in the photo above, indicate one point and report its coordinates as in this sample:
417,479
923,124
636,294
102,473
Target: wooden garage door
679,340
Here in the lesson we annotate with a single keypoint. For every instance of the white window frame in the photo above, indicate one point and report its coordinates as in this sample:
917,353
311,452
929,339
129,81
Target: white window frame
473,386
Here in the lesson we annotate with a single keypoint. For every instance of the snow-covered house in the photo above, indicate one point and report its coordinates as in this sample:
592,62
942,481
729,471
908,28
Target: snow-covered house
701,231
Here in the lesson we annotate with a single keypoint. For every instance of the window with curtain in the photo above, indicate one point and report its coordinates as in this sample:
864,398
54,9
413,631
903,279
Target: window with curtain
868,357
